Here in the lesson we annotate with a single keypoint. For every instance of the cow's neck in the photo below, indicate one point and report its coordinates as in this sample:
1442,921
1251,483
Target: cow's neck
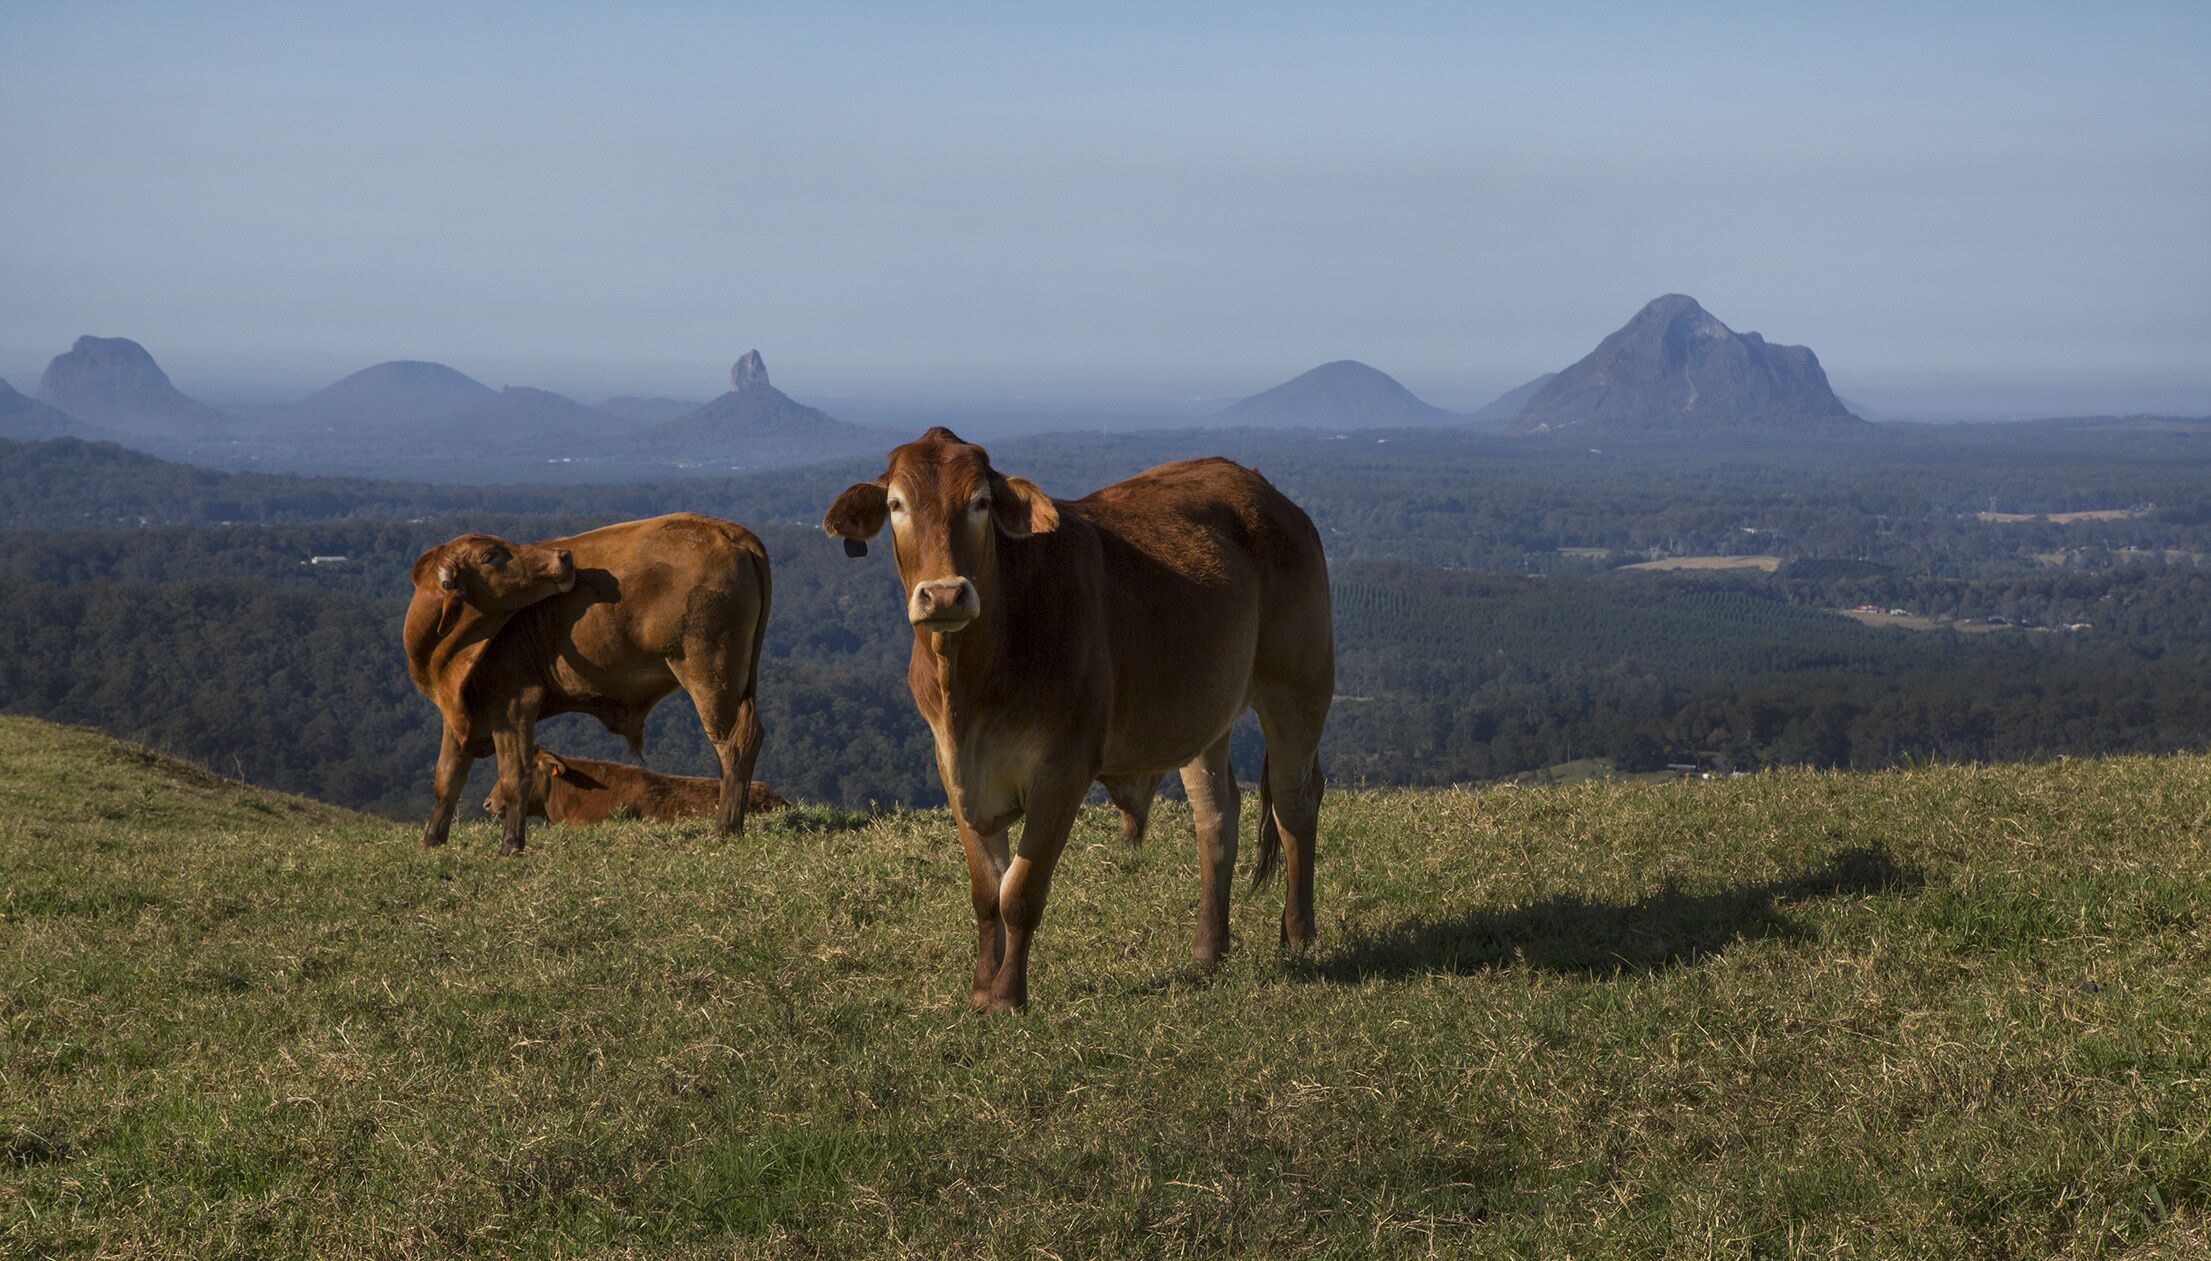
964,666
964,670
442,664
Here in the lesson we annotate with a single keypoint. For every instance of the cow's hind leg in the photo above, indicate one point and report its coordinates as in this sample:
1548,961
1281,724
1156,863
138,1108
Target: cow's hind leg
732,723
452,776
1291,786
516,745
1211,785
1132,796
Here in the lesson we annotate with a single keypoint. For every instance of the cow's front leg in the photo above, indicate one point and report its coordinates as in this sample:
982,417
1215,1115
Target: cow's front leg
986,866
452,777
516,744
1048,815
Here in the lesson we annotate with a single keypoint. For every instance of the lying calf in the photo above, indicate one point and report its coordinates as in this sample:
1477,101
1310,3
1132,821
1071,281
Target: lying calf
586,790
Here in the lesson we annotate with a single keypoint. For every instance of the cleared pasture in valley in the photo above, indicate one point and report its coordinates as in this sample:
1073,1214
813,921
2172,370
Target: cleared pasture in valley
1957,1011
1763,564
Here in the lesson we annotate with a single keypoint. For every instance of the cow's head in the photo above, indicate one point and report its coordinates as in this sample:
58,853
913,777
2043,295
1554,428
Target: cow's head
546,767
948,510
491,575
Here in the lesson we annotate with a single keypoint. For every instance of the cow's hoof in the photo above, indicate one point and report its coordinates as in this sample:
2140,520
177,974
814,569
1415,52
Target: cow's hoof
1206,958
510,849
1000,1005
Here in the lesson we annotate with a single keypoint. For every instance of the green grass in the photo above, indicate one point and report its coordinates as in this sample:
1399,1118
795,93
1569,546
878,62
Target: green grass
1955,1012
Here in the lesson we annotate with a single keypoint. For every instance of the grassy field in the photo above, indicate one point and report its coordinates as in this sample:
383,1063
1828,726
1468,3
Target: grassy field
2065,518
1763,564
1955,1012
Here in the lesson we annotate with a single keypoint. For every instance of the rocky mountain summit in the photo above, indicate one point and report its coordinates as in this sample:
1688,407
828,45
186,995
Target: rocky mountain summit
749,371
112,382
753,420
1675,368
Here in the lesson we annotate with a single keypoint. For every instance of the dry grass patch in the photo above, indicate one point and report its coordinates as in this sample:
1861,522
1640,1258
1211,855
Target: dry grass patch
1763,564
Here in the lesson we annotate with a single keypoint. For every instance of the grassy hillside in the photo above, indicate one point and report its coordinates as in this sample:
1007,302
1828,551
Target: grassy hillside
1948,1012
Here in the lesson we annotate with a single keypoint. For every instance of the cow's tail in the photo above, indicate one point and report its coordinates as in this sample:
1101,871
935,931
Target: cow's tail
750,733
1270,836
748,704
759,625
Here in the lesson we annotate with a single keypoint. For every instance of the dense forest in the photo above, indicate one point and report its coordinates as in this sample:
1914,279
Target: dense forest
184,608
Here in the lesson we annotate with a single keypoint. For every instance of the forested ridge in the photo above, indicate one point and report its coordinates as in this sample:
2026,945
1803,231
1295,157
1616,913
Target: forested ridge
1469,645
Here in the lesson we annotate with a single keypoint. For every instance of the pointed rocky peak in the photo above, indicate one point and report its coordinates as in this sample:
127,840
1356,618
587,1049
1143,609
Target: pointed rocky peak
1675,367
752,411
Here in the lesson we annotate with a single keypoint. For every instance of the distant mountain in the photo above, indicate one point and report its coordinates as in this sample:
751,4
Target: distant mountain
519,413
112,382
25,419
411,407
754,423
1507,406
403,389
641,410
1345,394
1674,368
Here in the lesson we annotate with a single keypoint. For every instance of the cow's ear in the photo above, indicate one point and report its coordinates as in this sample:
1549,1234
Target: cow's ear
1021,507
450,595
430,567
858,515
553,765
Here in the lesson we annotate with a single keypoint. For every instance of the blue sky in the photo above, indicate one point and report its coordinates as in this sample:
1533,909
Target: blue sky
1985,208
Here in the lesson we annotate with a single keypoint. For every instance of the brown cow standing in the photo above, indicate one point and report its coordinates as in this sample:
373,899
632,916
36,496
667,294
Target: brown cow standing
582,790
606,623
1112,638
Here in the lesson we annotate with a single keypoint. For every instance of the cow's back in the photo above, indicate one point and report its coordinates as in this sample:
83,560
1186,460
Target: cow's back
1209,576
649,582
644,589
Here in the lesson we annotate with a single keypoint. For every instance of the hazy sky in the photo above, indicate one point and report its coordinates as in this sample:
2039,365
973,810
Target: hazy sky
2002,206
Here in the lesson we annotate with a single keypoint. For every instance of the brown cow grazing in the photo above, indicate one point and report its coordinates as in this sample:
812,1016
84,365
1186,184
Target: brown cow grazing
582,790
606,623
1112,638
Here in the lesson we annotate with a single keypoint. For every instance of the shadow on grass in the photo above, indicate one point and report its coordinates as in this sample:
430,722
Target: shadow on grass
1576,935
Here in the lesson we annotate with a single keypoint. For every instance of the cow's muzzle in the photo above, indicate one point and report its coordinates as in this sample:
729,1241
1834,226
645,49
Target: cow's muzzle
943,606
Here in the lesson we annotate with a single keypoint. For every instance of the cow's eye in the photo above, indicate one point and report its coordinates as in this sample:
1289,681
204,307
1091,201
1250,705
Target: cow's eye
981,504
898,505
